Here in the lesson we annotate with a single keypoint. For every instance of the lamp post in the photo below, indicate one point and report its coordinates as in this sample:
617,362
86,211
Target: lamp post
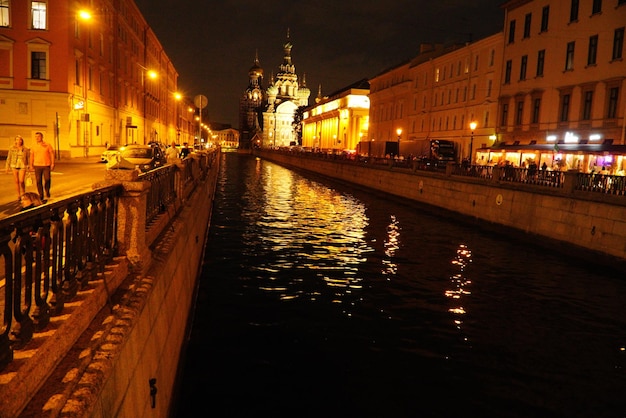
472,125
399,132
153,76
178,97
85,16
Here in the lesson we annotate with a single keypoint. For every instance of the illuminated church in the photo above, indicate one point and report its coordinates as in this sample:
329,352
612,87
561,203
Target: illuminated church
266,116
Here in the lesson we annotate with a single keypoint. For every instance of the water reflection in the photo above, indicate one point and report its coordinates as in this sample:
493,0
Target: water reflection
460,286
299,233
327,297
392,244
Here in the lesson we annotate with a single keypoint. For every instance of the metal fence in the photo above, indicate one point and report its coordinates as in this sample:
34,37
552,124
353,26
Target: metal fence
46,254
50,252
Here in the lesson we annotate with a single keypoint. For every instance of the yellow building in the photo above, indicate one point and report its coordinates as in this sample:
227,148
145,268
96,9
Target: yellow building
339,121
86,78
436,96
564,75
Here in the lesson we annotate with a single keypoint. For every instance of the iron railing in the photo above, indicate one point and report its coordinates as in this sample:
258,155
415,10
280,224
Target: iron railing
46,254
50,252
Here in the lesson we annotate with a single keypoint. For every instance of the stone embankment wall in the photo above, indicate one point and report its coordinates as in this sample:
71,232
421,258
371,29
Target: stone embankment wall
592,222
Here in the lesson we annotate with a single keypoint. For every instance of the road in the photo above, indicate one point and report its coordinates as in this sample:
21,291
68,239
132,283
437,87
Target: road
69,177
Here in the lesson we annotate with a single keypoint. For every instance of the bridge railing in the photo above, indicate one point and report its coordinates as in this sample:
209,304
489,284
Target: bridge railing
50,252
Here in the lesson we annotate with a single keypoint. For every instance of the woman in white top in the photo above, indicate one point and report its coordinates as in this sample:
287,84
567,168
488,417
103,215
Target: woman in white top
18,162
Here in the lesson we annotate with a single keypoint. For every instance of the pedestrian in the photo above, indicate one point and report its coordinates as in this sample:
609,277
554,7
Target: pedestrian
42,161
171,154
18,162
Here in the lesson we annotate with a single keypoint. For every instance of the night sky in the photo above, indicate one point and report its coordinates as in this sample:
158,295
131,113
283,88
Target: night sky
335,43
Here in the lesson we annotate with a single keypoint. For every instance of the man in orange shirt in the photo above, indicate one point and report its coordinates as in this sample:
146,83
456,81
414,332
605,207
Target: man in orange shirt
42,161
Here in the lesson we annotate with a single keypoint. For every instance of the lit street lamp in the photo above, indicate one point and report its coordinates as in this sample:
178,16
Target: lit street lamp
399,132
84,16
472,125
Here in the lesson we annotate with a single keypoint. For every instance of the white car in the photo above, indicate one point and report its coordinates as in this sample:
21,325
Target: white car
110,153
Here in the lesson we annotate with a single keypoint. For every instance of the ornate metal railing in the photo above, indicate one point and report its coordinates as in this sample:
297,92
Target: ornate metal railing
601,183
47,254
162,191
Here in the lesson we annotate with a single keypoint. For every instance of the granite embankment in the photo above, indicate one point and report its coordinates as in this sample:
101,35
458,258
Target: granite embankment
560,218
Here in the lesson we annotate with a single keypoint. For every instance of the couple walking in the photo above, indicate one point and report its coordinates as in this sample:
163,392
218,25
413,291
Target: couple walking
39,158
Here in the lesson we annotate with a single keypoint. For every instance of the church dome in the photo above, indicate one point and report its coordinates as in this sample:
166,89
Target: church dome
256,70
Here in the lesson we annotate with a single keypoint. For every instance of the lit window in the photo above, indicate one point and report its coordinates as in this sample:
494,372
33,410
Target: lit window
4,13
39,16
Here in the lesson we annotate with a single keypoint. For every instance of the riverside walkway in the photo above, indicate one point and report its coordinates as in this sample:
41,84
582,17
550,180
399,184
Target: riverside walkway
84,266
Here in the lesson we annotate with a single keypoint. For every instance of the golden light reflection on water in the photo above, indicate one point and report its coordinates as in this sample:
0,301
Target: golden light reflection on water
392,244
312,232
460,285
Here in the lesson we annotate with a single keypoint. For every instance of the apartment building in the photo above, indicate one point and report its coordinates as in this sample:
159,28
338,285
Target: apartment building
86,78
437,95
563,80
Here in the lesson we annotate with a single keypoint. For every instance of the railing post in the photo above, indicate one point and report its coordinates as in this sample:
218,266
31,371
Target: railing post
131,221
569,180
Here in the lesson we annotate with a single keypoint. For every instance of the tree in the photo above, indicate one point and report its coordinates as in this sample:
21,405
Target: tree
298,116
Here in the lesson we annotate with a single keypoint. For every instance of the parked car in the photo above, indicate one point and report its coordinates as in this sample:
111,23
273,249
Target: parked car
110,153
138,157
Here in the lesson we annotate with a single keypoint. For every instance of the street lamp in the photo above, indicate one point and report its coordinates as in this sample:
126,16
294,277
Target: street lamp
85,16
472,125
153,75
399,132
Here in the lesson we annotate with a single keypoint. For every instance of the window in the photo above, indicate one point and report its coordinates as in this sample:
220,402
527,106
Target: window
38,15
541,59
527,20
593,50
523,66
519,112
505,114
536,109
4,13
618,43
492,58
38,65
507,72
573,13
511,31
596,7
545,15
569,56
489,86
612,105
564,117
587,99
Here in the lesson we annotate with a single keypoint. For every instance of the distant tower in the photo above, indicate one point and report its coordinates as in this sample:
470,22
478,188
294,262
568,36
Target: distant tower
284,96
251,105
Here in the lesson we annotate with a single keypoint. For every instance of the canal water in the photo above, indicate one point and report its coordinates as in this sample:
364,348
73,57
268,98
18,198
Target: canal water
319,300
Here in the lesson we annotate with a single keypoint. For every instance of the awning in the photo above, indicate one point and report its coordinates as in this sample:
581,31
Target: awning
566,148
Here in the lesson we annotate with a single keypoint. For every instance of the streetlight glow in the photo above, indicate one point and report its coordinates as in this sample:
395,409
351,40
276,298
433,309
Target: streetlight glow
473,126
84,14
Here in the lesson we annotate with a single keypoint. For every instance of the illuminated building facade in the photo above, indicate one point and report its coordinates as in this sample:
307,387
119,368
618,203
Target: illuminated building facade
266,115
251,105
563,83
284,96
84,80
436,95
338,122
549,88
